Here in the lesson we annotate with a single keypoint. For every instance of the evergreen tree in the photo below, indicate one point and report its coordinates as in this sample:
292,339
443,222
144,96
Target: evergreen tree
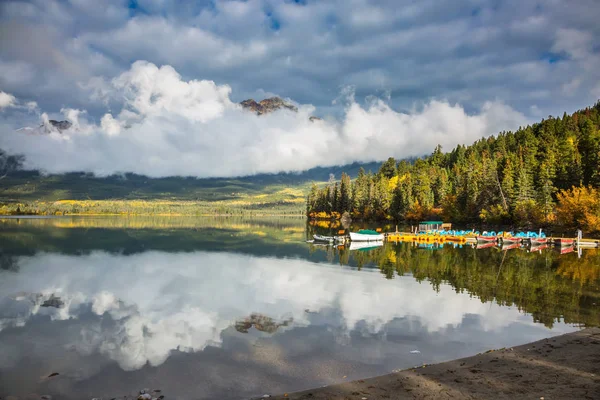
345,193
508,182
311,202
388,168
524,184
335,198
437,157
546,189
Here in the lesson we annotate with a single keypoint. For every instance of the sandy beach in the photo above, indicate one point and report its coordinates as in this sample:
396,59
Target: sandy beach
563,367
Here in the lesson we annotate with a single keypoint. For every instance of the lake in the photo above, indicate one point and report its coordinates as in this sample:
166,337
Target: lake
232,308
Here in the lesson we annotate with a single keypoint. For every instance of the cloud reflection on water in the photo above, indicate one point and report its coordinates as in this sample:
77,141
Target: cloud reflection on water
161,302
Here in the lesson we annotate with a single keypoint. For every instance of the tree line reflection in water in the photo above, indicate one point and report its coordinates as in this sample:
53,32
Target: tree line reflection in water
545,284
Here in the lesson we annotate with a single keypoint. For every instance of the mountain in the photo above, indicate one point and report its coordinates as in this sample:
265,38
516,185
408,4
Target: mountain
46,128
267,105
19,185
271,104
60,125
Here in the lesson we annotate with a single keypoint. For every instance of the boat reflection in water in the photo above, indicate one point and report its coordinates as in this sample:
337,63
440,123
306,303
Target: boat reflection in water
364,245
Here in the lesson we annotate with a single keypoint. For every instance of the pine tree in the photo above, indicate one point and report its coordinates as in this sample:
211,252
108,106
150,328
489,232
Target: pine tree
388,168
311,201
508,182
345,193
437,157
524,184
546,189
335,198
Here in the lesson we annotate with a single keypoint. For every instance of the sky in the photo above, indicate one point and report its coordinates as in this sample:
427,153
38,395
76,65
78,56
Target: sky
152,86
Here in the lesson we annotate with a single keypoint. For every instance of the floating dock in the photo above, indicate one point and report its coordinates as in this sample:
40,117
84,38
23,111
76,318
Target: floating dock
504,241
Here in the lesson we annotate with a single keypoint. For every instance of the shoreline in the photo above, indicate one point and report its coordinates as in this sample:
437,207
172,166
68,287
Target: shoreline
13,216
560,367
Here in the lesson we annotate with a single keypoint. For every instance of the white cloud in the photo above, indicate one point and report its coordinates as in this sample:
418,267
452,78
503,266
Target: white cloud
31,106
151,91
189,304
169,126
7,100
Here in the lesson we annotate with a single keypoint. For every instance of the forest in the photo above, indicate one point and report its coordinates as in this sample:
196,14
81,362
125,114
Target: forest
544,174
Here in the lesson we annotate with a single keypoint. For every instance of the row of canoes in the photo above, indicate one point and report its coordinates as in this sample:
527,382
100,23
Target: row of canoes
530,240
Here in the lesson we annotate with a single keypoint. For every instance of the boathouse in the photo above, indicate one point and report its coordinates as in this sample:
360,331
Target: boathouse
434,225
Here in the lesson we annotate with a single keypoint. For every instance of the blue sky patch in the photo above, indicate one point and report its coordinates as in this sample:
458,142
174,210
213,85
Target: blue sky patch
273,22
551,58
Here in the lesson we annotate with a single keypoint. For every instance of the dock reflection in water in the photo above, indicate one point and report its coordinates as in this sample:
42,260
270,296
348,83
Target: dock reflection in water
232,309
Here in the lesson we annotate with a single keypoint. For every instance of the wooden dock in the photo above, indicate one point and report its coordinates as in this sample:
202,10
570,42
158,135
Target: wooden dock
560,242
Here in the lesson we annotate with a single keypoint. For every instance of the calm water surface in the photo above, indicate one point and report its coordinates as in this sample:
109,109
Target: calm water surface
231,308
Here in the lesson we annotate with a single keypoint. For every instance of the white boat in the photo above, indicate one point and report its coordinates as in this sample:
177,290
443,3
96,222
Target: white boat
364,245
329,239
365,235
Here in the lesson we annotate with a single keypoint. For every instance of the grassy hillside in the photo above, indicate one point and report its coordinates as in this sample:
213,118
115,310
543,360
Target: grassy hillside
31,185
29,192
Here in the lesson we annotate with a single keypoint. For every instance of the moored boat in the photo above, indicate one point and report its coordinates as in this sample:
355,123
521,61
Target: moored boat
457,239
510,246
511,239
328,239
487,239
485,245
536,248
538,241
564,242
366,235
565,249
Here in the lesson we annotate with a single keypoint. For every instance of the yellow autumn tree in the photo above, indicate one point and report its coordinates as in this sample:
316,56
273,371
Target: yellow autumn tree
393,183
579,207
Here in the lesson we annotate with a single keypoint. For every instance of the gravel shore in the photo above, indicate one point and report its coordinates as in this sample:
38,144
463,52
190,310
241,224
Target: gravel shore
563,367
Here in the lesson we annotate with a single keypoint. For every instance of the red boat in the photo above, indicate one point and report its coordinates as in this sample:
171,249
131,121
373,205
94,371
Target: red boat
565,250
541,247
537,241
485,245
510,246
564,242
511,239
487,239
